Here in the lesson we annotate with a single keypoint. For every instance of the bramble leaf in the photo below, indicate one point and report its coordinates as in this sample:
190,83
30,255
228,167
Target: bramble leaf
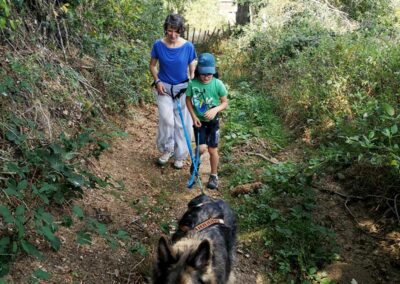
31,249
388,109
83,238
41,274
6,214
78,212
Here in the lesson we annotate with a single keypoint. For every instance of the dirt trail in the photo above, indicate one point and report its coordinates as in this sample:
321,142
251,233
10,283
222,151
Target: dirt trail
145,198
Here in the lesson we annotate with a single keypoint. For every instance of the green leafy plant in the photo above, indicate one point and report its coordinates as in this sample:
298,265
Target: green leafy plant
39,275
5,15
140,249
44,175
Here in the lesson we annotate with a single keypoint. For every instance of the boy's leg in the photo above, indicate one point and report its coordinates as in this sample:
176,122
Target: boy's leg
212,142
199,133
214,160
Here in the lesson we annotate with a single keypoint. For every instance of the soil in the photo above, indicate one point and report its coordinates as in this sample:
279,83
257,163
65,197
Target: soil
146,197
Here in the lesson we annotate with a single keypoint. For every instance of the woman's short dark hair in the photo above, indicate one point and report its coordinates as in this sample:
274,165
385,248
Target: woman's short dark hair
176,22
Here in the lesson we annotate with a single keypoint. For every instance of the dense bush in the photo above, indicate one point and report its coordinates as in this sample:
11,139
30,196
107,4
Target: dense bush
114,35
336,87
363,9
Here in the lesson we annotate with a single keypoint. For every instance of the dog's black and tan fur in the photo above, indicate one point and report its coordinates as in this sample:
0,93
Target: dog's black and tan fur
202,249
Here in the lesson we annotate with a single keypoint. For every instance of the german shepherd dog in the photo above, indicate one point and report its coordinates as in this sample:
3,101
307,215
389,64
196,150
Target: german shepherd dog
202,250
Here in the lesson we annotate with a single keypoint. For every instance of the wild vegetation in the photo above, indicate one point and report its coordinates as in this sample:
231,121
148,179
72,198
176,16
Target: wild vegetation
330,71
56,57
278,215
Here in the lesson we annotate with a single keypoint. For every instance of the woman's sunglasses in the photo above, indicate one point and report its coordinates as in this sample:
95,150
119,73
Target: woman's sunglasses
207,74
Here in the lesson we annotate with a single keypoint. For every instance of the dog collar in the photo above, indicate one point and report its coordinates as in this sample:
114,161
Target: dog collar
208,223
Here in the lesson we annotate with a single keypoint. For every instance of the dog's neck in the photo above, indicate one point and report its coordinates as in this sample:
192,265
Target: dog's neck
207,223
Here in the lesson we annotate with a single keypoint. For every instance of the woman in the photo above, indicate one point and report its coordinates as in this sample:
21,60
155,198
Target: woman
174,56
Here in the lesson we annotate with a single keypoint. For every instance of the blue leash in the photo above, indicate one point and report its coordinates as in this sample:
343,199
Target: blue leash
195,160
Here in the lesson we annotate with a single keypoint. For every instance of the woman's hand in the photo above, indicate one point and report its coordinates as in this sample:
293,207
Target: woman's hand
196,122
211,113
161,89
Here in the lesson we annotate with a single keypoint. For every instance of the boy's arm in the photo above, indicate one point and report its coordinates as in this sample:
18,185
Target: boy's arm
196,120
210,114
224,103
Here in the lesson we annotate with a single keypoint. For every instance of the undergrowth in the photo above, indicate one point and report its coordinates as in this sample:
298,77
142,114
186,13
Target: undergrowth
282,210
333,80
67,67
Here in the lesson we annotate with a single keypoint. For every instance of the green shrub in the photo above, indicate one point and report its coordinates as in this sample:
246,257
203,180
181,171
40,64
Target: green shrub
114,36
364,9
44,175
332,87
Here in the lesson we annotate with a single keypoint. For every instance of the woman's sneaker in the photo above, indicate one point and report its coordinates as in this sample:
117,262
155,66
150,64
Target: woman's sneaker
212,182
165,158
178,164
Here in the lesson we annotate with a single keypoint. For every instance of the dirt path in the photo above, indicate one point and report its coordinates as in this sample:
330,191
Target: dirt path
145,199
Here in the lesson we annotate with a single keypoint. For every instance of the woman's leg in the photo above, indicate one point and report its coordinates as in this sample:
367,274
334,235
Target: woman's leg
165,134
181,147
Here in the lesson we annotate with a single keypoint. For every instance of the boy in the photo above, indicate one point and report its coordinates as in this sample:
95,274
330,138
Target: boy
206,96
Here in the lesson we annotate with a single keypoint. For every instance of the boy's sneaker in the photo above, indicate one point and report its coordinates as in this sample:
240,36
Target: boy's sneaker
165,158
178,164
212,182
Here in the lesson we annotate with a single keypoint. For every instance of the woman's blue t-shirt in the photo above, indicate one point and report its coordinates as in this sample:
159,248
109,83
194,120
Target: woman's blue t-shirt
173,62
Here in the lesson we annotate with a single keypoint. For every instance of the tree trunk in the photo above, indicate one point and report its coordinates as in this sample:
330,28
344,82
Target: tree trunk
243,14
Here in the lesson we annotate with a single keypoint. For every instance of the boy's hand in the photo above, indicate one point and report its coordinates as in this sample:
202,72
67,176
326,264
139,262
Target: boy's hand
196,122
211,113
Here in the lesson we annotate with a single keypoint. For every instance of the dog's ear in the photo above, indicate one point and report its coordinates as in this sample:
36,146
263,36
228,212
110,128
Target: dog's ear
202,256
165,254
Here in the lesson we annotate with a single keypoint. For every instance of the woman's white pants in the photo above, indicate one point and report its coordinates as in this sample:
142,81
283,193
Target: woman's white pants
170,136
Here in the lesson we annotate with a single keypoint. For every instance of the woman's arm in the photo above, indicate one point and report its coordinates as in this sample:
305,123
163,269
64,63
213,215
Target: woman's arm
192,67
153,70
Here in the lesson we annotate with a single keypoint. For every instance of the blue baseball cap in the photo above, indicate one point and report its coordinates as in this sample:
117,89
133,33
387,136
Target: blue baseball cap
206,64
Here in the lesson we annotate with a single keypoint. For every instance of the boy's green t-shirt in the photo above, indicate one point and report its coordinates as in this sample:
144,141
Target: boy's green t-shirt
205,96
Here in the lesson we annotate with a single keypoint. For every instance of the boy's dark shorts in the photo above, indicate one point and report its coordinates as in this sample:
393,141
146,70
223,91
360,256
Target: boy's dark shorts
209,133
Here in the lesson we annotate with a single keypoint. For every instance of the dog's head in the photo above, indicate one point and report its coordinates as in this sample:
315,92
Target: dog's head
188,264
